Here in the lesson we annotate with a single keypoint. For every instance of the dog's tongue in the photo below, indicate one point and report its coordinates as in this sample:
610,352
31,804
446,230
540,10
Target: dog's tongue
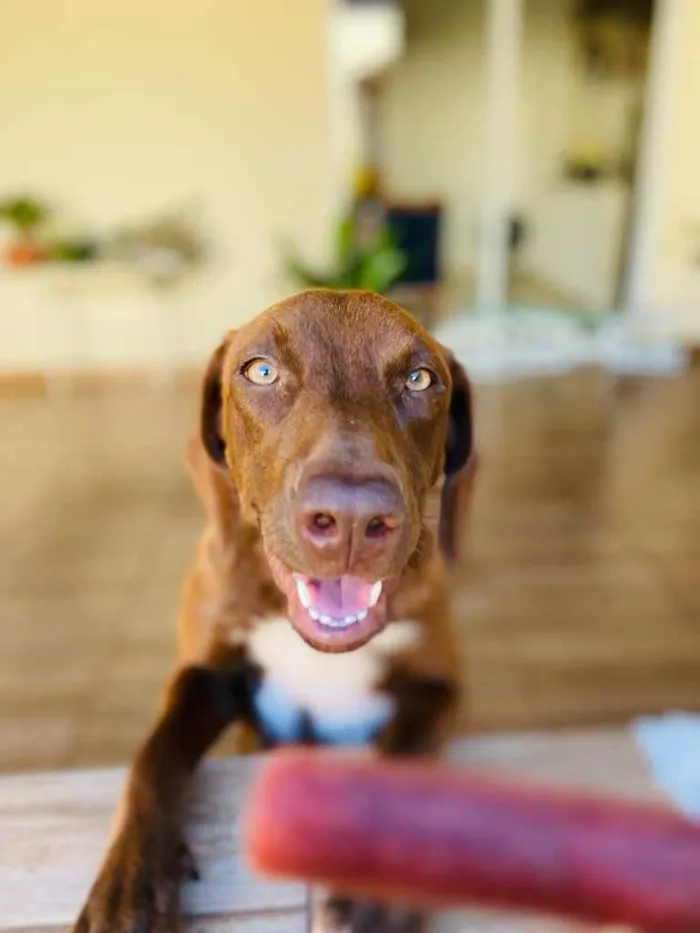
342,597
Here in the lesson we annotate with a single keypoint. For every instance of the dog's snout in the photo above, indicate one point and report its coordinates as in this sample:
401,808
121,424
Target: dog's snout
348,520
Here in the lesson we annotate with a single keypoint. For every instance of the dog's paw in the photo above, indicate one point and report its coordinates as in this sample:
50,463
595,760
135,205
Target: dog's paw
138,889
345,915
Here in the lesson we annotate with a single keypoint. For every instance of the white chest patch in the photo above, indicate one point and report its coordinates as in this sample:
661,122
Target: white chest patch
335,693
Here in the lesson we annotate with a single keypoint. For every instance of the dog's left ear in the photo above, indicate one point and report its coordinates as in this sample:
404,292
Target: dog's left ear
460,463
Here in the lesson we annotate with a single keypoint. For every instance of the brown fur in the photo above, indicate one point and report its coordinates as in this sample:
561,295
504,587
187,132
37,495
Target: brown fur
338,349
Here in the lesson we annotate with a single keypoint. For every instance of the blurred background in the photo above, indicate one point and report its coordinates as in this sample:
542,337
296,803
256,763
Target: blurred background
520,174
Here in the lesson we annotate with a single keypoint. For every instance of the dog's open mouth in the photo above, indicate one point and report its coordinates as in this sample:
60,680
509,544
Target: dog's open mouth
332,615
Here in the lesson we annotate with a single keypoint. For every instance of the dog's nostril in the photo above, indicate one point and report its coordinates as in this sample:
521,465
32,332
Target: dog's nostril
322,521
377,527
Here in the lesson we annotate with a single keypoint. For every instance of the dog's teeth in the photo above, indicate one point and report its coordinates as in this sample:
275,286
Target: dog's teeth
304,594
331,622
375,593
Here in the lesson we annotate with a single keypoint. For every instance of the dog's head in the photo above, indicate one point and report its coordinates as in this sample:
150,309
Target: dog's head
334,414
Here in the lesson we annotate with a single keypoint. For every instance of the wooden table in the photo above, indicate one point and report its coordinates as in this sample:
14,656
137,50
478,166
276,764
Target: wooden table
54,828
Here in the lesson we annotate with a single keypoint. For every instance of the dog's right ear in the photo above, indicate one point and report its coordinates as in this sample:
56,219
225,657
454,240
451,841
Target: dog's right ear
460,464
212,409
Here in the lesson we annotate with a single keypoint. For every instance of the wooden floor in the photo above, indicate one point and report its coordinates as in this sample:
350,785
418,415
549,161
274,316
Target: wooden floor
579,602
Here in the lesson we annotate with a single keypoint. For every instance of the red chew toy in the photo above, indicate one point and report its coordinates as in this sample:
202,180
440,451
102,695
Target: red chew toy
426,834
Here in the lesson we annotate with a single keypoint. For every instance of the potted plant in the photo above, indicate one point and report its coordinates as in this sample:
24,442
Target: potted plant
375,267
26,216
366,254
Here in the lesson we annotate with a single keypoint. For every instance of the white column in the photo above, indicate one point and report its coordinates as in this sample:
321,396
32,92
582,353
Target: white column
502,41
651,175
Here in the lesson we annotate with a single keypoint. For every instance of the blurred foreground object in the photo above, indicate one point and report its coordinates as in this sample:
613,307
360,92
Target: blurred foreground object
427,834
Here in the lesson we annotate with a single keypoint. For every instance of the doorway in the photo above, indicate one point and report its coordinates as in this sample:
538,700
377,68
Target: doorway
580,106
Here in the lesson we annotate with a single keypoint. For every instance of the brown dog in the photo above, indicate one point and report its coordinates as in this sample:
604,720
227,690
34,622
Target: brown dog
332,426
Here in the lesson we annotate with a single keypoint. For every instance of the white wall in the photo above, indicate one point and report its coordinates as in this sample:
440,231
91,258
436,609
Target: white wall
363,40
116,109
548,80
432,119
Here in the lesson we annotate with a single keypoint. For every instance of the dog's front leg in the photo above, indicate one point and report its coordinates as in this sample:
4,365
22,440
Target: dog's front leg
426,708
138,887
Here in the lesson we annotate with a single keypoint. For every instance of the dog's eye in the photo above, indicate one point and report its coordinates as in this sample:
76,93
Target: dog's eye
419,380
261,372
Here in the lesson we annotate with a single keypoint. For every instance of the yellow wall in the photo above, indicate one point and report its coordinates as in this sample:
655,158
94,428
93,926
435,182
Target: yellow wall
675,282
117,108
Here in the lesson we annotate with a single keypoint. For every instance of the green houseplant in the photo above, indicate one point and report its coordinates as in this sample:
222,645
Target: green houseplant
25,214
373,263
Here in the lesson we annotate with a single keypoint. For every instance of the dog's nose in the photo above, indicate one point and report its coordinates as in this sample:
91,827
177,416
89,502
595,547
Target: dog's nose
347,520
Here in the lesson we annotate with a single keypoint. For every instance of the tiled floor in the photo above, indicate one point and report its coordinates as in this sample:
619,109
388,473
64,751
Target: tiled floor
580,600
